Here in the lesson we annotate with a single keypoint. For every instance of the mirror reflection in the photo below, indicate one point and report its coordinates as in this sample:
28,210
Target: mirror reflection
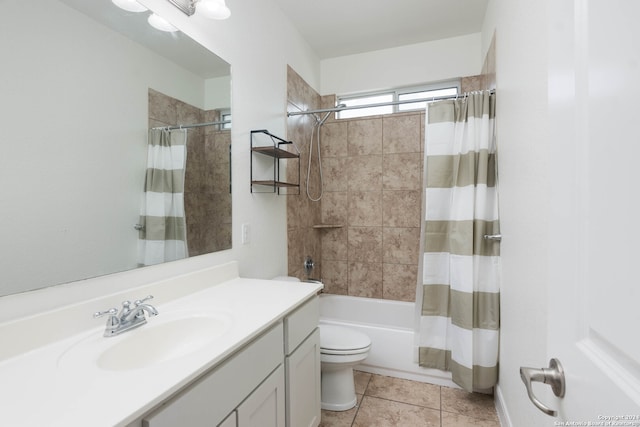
81,84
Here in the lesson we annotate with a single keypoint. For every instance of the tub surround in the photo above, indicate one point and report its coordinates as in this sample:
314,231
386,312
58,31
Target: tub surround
41,387
390,326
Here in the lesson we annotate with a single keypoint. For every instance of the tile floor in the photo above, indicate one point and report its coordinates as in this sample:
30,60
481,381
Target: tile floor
393,402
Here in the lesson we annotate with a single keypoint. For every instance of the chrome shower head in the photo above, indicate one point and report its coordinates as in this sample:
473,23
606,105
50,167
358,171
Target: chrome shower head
326,116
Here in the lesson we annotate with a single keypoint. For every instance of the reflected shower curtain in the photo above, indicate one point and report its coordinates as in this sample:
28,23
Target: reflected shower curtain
163,235
460,282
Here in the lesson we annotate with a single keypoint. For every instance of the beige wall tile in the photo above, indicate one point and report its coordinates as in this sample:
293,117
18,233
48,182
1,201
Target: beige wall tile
334,171
401,208
295,252
399,281
335,277
365,279
162,108
364,173
365,244
364,137
334,208
402,171
473,83
401,134
365,208
333,137
400,245
334,244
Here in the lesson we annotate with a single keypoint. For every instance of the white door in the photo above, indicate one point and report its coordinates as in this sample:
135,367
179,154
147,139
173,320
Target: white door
594,289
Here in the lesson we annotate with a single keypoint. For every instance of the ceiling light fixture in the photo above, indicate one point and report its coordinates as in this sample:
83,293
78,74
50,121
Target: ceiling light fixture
213,9
159,23
130,5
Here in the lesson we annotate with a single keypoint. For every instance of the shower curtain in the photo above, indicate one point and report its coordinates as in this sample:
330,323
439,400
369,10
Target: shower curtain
163,234
459,287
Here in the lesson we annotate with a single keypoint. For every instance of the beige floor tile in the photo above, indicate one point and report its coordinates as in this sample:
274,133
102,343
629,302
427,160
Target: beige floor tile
361,380
406,391
376,412
456,420
340,418
475,405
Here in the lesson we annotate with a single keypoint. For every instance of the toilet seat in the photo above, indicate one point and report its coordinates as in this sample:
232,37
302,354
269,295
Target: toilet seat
339,340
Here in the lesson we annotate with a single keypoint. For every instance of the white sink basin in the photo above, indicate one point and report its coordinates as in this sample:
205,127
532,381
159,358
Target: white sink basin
158,341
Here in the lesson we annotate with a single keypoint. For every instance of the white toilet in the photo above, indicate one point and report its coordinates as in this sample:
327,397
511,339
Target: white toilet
340,350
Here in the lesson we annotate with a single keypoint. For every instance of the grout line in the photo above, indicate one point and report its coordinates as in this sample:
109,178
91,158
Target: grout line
364,393
440,391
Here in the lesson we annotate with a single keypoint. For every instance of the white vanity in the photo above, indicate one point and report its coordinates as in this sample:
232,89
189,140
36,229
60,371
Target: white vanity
223,351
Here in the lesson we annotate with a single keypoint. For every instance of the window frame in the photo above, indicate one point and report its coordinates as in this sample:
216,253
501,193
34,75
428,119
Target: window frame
396,94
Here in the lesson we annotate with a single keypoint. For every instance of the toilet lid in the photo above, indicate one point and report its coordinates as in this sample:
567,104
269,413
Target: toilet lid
339,338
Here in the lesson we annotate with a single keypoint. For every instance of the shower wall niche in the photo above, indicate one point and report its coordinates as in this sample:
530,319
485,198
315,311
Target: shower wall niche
207,177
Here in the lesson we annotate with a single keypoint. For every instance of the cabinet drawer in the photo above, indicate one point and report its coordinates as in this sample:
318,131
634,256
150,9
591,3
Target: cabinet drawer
209,400
299,324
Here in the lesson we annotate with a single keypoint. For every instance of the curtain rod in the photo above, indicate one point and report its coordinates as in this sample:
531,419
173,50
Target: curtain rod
197,125
380,104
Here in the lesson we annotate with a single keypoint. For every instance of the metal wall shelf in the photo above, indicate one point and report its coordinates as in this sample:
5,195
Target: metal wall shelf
275,151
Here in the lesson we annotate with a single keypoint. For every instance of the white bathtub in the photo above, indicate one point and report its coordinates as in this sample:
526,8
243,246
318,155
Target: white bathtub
389,324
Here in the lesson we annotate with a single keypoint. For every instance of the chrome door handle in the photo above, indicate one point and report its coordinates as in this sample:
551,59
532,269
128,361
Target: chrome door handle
553,375
493,237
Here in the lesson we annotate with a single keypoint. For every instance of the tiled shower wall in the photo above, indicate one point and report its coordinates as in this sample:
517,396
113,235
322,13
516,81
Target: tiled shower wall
207,176
302,214
373,178
373,171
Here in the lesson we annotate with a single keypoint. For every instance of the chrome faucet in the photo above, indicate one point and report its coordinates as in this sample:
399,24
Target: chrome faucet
128,318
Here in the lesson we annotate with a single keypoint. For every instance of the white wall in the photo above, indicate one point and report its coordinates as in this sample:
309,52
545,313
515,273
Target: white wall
403,66
217,93
523,147
258,42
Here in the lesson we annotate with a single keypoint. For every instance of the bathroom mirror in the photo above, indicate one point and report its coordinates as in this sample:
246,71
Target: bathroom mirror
74,106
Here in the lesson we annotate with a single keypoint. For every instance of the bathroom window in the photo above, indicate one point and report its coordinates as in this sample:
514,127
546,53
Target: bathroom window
448,88
225,115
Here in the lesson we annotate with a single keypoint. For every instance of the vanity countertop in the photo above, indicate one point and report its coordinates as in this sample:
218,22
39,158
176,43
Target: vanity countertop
50,386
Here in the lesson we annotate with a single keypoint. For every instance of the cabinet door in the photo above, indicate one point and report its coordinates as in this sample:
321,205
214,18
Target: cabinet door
213,396
303,383
265,406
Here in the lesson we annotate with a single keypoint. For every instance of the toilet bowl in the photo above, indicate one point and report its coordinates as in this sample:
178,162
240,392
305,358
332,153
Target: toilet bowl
340,350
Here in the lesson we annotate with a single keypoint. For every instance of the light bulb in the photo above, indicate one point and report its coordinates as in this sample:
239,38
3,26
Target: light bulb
213,9
159,23
129,5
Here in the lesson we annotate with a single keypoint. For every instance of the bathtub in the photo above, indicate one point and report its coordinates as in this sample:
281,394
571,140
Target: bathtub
389,324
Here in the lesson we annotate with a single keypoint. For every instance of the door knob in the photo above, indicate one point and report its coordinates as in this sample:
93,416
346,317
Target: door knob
553,375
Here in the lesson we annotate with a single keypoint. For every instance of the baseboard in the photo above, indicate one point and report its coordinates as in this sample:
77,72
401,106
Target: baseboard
442,380
501,408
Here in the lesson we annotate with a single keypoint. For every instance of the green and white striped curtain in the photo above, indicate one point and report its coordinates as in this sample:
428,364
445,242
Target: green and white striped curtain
460,280
163,236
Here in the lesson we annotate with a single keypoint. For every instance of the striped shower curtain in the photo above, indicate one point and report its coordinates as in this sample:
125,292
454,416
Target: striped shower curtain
460,280
163,235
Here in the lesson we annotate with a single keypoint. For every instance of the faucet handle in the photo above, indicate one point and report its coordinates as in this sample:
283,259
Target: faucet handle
140,301
113,320
112,311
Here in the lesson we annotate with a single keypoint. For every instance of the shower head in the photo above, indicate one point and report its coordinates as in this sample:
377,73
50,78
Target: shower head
326,116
